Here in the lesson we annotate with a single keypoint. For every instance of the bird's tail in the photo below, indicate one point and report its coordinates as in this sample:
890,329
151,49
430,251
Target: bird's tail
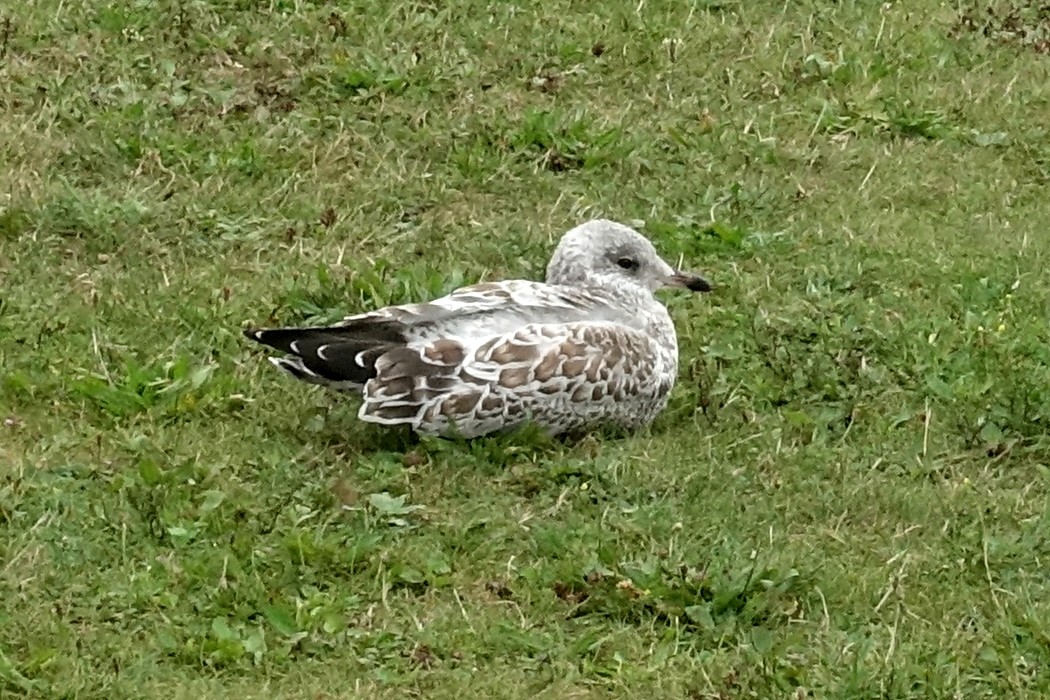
338,357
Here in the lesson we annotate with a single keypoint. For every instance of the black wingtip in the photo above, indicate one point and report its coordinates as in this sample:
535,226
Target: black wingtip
283,339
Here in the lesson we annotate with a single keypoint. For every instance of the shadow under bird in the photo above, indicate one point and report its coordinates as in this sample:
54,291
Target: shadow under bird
590,346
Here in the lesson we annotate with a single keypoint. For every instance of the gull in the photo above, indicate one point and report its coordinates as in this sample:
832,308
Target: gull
591,346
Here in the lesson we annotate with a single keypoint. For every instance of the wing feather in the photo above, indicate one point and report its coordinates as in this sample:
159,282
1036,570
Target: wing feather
553,372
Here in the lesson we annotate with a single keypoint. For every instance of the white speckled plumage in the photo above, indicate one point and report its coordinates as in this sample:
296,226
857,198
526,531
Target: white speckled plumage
589,346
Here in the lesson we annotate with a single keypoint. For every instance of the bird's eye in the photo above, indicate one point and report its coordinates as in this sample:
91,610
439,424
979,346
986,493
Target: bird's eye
627,263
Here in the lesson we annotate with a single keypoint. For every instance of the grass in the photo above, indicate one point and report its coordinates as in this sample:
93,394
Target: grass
846,498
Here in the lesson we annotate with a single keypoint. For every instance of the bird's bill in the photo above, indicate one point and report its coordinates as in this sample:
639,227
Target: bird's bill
687,280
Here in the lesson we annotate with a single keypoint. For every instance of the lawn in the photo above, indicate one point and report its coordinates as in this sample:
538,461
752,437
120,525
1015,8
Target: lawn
847,496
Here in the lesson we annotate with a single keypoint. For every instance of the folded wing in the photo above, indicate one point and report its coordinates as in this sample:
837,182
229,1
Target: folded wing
422,340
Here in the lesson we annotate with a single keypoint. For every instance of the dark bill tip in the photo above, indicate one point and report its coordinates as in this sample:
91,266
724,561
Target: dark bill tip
687,280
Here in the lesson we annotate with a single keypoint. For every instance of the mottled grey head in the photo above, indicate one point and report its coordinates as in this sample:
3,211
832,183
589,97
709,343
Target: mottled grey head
605,253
